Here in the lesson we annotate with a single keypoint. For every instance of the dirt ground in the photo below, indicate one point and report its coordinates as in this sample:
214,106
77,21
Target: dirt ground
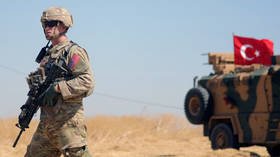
133,136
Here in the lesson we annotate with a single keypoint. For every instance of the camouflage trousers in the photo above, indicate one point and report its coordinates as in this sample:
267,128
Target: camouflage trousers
50,141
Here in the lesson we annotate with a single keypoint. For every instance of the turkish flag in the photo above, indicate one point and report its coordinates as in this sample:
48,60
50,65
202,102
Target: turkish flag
252,51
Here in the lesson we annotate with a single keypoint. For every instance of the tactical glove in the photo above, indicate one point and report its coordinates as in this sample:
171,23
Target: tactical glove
49,97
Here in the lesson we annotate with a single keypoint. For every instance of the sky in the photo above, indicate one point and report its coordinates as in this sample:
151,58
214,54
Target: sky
144,53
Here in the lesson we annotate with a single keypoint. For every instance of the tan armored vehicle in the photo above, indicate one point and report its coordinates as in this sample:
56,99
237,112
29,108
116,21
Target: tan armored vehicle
237,105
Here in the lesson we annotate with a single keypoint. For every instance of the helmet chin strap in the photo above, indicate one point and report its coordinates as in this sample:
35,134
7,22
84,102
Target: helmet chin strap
62,33
56,35
59,34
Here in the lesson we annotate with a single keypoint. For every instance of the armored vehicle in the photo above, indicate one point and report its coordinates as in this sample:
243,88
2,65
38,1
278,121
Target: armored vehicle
237,105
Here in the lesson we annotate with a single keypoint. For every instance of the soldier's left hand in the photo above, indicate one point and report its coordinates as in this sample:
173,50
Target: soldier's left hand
49,98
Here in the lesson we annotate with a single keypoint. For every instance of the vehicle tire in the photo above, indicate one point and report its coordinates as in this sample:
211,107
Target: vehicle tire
222,137
197,105
274,151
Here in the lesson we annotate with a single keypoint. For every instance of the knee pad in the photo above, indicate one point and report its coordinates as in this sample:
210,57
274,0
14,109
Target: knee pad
77,152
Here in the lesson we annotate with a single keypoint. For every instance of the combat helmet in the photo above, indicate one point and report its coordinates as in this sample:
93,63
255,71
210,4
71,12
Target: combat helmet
57,14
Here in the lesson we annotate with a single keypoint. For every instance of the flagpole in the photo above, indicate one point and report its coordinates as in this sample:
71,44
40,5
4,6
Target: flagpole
233,38
233,47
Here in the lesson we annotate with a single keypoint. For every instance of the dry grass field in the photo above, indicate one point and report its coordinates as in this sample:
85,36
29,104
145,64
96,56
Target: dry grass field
134,136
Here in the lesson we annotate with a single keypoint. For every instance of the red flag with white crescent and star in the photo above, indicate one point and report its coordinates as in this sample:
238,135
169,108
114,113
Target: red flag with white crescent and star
252,51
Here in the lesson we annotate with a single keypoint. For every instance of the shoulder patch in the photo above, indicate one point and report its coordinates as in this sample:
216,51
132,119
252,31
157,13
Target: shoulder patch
75,59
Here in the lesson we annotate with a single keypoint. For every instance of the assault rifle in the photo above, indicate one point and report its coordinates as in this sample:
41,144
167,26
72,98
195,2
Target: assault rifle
38,84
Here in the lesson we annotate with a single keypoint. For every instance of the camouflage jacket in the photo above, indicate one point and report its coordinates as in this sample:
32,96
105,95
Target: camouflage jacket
73,90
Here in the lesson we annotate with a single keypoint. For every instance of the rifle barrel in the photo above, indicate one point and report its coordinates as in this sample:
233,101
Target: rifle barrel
16,141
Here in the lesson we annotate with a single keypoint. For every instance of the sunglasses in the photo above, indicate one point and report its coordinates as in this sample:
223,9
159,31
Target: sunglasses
50,23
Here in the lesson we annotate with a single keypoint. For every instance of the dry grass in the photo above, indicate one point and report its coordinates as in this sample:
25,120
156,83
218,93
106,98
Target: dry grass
133,136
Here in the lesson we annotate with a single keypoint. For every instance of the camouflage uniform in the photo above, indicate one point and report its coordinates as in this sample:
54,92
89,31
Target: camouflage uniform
62,129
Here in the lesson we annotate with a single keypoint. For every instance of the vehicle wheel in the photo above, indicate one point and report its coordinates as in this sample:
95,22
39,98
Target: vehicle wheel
222,137
196,105
274,151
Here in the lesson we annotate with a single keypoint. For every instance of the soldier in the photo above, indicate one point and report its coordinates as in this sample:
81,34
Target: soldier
62,129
